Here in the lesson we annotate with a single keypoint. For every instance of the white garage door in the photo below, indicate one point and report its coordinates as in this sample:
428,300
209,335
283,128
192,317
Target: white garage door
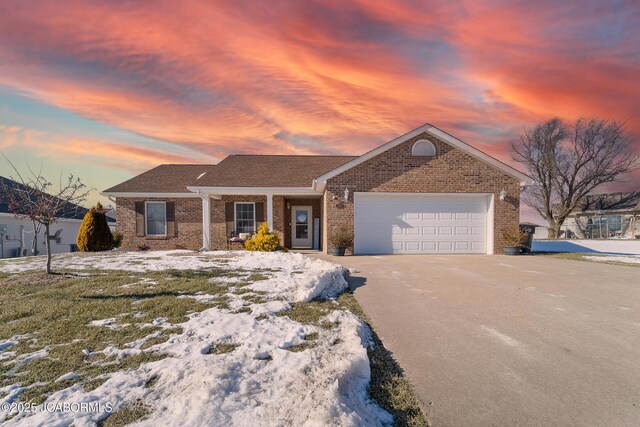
393,223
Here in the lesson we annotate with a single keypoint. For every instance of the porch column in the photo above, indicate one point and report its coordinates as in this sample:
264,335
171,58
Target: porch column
206,222
270,211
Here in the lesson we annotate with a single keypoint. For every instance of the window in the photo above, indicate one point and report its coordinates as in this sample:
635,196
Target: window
245,218
604,226
156,218
423,148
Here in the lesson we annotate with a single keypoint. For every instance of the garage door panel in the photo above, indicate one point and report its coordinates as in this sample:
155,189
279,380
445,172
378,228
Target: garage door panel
462,231
445,246
445,231
429,223
428,231
462,246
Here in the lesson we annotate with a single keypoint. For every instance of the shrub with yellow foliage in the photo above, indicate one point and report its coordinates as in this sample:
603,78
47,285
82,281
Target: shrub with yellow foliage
263,240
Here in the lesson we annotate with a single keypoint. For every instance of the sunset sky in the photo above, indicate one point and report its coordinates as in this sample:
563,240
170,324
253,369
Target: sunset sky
107,89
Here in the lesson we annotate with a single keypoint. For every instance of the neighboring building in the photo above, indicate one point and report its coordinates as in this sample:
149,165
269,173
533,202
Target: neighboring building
605,216
423,192
16,234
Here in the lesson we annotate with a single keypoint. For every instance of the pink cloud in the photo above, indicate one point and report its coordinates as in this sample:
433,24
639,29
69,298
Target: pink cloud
318,77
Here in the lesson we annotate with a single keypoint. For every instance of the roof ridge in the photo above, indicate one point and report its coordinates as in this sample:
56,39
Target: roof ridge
294,155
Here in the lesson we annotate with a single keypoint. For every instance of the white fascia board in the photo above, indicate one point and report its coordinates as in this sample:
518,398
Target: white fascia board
253,191
149,195
443,136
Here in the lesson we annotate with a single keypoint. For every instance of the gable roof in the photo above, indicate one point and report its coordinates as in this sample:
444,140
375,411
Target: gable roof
610,202
441,135
295,172
163,179
68,210
269,170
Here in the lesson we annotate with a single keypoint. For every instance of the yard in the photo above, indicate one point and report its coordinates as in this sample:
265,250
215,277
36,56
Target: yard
185,338
617,252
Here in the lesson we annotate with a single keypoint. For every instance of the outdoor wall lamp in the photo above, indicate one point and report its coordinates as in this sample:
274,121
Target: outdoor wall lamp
346,194
503,195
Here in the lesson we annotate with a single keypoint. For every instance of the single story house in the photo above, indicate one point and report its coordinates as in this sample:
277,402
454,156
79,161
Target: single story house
605,216
423,192
16,234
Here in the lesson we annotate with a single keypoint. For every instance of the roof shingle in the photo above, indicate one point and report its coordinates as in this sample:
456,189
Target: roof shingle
609,202
162,179
68,211
269,171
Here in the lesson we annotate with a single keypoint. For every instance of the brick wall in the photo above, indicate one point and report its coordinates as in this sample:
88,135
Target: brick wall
449,171
188,225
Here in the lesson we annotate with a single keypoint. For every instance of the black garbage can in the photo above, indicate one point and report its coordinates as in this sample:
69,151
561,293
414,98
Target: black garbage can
530,229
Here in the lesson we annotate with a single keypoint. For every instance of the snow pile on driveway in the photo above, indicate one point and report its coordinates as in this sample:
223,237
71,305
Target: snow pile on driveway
258,380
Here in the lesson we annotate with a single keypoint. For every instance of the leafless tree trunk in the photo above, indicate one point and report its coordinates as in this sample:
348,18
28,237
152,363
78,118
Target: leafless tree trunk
34,241
48,243
30,197
569,162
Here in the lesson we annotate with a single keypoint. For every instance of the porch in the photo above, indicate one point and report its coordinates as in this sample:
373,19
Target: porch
296,218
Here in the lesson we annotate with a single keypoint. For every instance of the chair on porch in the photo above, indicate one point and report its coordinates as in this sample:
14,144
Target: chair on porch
234,238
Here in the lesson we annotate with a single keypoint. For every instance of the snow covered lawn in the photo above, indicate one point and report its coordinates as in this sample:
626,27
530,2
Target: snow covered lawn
183,338
611,247
624,252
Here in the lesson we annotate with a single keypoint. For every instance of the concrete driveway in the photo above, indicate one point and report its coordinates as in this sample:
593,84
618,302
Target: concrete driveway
510,341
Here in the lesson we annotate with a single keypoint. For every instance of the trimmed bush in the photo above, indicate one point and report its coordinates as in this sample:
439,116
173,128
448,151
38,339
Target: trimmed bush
117,239
263,240
515,236
94,234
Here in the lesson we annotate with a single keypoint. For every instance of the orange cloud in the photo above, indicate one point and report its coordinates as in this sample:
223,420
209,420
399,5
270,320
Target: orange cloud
319,77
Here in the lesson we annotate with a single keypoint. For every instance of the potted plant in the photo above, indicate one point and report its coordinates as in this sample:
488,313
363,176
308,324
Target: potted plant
340,239
516,239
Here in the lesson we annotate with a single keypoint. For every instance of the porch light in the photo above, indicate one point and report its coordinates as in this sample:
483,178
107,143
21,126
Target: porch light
346,194
288,205
503,195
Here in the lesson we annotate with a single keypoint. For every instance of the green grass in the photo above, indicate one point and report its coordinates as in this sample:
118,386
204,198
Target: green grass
222,348
54,312
134,412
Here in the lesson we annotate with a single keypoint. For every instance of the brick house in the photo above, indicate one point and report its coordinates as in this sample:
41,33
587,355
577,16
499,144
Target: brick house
423,192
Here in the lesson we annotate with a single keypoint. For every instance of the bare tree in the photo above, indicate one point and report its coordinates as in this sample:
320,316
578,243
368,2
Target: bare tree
568,162
31,198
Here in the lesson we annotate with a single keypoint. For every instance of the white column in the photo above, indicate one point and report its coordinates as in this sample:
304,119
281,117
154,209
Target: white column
270,211
206,222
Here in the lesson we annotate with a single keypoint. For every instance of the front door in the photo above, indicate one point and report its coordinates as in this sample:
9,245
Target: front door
301,232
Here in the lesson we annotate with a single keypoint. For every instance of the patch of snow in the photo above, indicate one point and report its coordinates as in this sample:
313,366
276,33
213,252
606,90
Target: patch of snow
26,358
108,323
260,382
614,247
10,342
140,342
627,259
69,376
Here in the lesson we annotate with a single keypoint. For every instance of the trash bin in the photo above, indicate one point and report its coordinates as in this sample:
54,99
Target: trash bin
530,230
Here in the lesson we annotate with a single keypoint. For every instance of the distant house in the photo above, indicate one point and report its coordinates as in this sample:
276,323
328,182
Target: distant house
16,235
605,216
